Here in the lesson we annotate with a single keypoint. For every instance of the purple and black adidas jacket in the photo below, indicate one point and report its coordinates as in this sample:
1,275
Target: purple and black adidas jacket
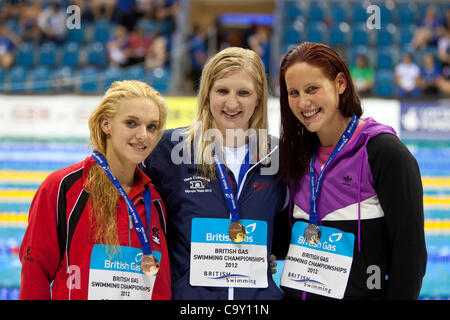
373,189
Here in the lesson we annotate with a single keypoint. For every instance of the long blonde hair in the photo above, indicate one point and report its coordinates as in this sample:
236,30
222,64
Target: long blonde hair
102,192
223,63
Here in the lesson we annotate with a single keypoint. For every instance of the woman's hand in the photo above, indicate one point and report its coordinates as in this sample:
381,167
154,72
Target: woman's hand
273,264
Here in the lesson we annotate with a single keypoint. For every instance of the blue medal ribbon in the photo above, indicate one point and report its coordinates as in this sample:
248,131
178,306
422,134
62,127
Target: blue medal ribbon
316,184
137,222
225,183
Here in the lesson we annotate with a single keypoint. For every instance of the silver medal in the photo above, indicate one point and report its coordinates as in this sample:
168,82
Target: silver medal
312,234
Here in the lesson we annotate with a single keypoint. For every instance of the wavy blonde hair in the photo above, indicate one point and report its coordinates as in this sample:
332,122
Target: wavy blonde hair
102,192
222,64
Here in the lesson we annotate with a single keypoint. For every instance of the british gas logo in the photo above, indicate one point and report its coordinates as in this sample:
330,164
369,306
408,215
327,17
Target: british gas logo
335,237
250,228
138,257
221,237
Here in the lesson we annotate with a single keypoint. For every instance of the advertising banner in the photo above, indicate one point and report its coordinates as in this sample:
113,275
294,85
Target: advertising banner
425,120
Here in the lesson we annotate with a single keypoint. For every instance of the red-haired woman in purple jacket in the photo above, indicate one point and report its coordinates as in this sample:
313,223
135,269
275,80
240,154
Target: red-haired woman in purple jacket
355,189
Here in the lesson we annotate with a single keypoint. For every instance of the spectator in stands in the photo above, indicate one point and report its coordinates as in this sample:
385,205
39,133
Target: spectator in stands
443,81
446,21
125,13
444,53
138,45
428,29
166,11
87,14
363,75
8,42
198,55
444,85
28,21
407,74
157,54
103,9
259,42
146,8
117,47
429,74
11,9
52,22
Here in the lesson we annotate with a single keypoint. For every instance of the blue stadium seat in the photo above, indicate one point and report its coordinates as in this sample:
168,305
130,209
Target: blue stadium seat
292,10
337,35
358,11
315,32
136,72
165,27
70,54
76,35
48,54
406,12
338,11
386,58
384,83
385,37
16,80
148,26
102,30
89,81
14,26
286,47
386,14
62,79
316,11
406,33
39,80
159,79
96,54
359,34
112,74
2,78
443,7
290,35
25,55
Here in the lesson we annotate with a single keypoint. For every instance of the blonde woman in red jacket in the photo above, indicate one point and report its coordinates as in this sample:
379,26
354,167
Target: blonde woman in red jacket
96,229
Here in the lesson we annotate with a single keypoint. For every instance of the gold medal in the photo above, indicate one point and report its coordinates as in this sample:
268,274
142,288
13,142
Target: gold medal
149,264
236,232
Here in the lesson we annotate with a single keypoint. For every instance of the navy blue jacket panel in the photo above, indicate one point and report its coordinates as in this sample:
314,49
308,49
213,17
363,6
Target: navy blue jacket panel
188,194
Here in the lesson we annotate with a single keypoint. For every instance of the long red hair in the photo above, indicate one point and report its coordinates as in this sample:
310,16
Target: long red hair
297,144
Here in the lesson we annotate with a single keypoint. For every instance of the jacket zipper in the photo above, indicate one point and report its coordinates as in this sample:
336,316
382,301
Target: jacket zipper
129,229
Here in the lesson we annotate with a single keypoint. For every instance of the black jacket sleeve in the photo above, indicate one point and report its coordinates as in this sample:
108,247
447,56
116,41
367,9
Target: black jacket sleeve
281,234
398,185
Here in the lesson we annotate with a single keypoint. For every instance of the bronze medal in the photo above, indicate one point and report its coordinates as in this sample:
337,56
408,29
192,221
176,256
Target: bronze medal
236,232
149,264
312,234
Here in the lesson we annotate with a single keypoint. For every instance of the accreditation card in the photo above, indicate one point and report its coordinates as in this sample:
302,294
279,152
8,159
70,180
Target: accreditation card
119,277
322,268
216,261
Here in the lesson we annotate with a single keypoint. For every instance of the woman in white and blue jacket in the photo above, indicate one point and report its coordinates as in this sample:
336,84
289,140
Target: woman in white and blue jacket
217,173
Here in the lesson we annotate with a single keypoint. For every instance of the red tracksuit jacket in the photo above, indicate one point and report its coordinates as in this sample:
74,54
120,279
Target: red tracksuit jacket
59,235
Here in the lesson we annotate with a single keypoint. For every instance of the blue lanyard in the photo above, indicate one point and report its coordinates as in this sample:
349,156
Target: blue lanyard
137,222
225,183
315,185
